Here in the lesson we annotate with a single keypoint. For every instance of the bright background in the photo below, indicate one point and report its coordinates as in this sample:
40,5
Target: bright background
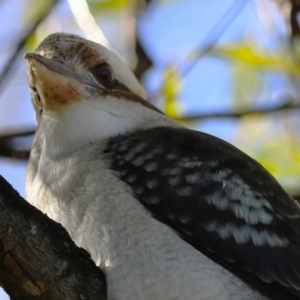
210,58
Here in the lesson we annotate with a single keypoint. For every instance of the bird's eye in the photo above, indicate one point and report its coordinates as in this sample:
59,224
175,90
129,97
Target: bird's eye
104,74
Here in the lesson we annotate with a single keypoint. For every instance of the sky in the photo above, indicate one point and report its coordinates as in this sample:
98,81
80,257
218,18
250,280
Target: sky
170,31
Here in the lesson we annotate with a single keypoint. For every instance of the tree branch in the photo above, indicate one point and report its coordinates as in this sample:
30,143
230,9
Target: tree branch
288,105
143,61
38,259
7,148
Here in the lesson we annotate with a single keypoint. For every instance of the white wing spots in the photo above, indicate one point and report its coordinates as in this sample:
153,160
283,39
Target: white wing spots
192,178
130,154
267,204
149,155
270,238
185,191
131,178
238,197
158,150
241,234
218,200
151,183
240,191
172,171
152,166
120,162
224,231
139,148
175,171
123,172
246,233
138,161
225,173
296,216
152,199
174,180
189,164
139,190
123,147
251,215
171,156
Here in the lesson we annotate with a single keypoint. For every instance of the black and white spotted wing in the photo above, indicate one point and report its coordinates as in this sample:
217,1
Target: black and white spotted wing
219,200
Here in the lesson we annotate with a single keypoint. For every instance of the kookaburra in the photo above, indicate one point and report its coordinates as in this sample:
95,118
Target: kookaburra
166,212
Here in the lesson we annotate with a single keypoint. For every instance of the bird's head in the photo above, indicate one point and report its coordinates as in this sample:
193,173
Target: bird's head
83,92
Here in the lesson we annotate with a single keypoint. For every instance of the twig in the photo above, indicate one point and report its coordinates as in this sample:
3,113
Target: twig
229,16
143,61
289,105
7,148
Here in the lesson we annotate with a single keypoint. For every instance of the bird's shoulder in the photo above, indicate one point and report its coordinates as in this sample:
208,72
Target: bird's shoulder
215,197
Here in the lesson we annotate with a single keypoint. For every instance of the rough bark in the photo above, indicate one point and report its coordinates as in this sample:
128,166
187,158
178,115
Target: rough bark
38,260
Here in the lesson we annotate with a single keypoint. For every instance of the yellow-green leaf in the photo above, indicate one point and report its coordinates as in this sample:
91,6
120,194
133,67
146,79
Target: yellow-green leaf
34,9
106,5
246,84
171,89
282,59
246,54
273,145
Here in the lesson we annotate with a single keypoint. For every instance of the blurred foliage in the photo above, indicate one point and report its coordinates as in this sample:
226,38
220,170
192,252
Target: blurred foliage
251,54
171,88
246,83
105,5
274,145
281,156
34,9
32,41
277,149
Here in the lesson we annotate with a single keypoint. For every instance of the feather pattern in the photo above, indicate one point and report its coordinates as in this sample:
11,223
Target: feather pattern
216,198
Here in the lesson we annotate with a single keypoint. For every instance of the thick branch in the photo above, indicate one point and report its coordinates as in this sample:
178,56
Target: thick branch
38,260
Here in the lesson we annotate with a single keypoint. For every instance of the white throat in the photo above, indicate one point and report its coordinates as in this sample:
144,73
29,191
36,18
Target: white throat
87,121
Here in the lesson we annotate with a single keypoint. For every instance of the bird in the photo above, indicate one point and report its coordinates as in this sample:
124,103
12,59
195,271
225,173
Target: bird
165,211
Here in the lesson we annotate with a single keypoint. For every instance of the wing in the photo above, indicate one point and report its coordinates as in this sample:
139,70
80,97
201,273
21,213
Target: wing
219,200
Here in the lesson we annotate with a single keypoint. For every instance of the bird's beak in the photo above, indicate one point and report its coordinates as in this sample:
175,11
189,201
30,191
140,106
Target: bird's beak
52,83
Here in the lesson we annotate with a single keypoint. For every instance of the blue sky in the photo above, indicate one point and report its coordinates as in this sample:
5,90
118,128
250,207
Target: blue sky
169,31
